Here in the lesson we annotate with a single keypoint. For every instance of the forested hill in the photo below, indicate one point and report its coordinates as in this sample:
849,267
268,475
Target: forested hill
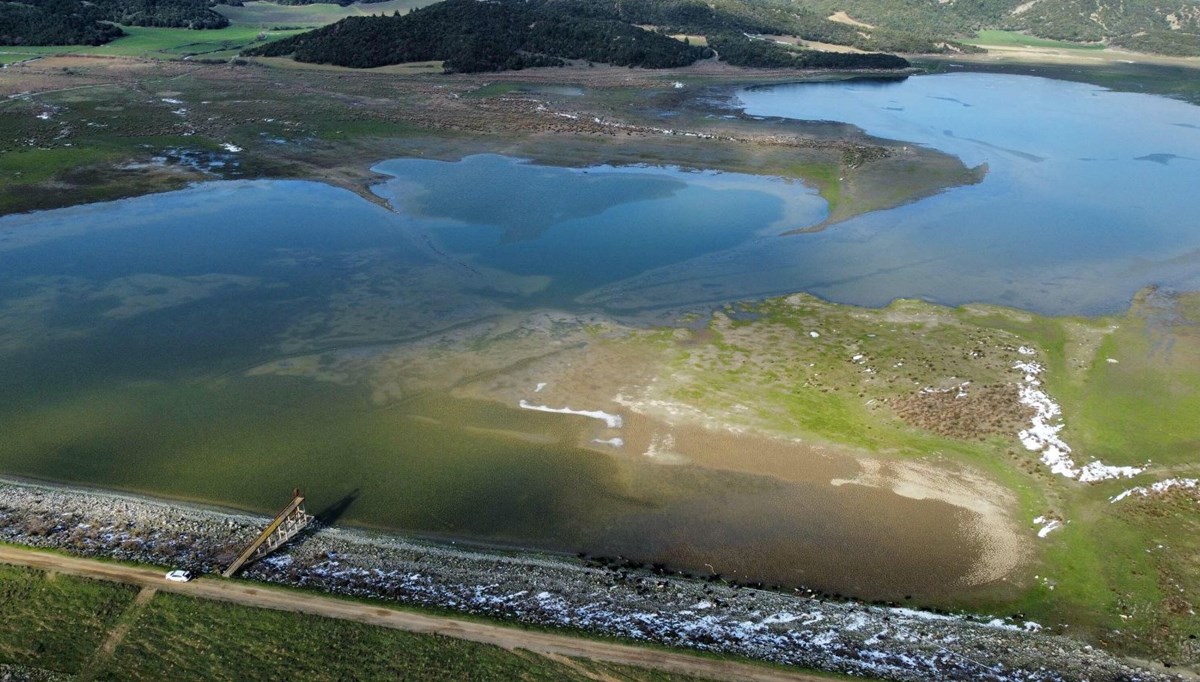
491,35
90,22
54,22
474,35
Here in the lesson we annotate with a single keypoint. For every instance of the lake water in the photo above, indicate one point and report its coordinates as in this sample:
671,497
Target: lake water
1089,197
128,330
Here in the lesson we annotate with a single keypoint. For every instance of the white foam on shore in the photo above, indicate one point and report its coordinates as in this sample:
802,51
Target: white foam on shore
539,387
1160,487
613,421
615,442
1042,434
230,147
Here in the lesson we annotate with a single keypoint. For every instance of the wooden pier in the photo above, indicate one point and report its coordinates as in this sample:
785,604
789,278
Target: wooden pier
284,527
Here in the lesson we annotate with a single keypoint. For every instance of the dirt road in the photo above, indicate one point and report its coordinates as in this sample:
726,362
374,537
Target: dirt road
543,643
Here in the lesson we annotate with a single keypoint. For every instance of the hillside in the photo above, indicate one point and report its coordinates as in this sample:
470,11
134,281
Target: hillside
472,36
483,36
90,22
771,17
1171,27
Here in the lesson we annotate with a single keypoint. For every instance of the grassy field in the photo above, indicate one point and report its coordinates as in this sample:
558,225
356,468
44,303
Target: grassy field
162,43
251,24
58,623
1129,388
270,15
1016,39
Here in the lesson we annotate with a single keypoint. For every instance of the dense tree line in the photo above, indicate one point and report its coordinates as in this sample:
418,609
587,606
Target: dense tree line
739,50
469,35
54,22
475,35
343,3
166,13
90,22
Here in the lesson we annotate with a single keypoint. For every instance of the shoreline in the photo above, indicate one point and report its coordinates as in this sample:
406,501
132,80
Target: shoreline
550,592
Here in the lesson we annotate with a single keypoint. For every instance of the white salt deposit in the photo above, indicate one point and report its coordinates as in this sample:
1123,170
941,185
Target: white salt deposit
1160,487
615,442
1097,471
1048,525
230,147
613,421
1042,434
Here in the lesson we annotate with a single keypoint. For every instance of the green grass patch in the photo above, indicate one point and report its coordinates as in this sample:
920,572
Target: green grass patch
352,129
182,638
271,15
1146,404
826,177
54,621
169,43
12,55
38,165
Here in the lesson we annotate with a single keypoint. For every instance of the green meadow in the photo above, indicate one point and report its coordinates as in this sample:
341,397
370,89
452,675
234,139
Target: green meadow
270,15
162,43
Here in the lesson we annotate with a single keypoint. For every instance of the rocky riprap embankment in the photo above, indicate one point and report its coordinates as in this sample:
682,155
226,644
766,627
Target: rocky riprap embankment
874,641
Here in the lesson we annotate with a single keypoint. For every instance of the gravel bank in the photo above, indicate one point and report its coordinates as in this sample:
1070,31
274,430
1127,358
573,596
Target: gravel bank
852,638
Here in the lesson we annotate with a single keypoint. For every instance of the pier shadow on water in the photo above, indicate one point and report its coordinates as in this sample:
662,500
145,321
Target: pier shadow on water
331,514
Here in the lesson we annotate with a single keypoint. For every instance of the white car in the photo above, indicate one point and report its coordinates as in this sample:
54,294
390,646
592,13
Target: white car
179,576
